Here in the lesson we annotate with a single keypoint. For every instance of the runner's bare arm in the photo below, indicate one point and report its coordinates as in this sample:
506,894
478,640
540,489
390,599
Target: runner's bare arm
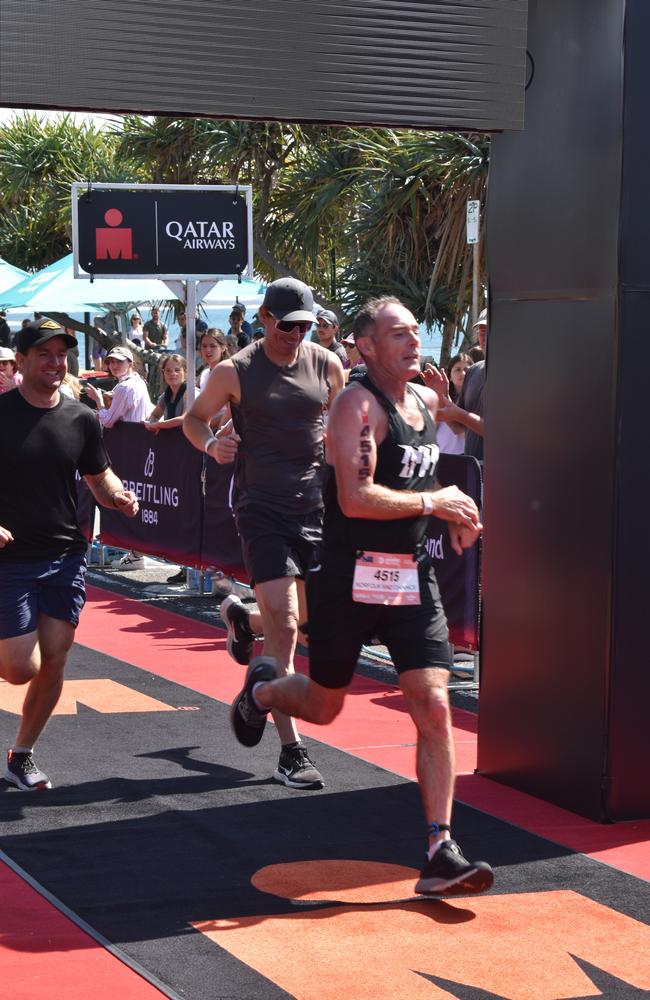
5,537
356,424
336,378
222,387
108,490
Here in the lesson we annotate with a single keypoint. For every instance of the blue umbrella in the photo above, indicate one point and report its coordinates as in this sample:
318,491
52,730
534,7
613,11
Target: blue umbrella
55,288
10,275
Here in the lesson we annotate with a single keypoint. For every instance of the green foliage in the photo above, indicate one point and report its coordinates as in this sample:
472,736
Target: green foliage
39,160
354,212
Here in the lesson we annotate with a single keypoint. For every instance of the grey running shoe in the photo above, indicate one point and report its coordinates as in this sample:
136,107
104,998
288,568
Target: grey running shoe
247,720
448,873
236,618
22,772
296,769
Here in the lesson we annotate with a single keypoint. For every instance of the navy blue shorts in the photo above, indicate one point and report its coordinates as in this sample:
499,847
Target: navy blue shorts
54,588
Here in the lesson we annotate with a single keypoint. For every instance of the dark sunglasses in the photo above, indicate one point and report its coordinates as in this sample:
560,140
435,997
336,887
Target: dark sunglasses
288,325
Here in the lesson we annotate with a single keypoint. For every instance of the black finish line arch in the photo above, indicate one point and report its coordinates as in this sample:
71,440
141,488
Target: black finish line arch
565,685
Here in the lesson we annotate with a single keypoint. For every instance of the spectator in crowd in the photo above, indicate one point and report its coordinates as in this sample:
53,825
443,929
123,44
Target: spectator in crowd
5,330
213,349
136,333
73,354
129,401
154,331
351,351
172,403
466,414
10,377
479,332
98,352
231,345
239,328
327,328
277,388
70,386
451,436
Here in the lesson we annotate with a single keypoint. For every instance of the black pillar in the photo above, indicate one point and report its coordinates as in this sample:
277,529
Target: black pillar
565,690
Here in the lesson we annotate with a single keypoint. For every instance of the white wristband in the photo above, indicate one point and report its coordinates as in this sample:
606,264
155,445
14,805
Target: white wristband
427,504
207,444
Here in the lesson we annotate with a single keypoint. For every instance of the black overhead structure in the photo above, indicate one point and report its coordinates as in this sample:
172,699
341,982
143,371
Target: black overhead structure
416,63
565,679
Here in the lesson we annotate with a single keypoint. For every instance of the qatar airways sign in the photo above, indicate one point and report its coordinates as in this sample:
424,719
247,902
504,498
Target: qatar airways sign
161,231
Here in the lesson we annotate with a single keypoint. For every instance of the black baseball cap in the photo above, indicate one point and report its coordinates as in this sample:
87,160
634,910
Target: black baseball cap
290,299
39,333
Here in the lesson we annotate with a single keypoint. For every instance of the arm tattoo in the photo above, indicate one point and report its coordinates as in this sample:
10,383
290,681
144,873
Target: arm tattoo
365,449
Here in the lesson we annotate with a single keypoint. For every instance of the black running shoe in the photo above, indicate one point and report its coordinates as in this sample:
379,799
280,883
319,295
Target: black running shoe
177,577
296,769
247,720
236,618
448,873
22,772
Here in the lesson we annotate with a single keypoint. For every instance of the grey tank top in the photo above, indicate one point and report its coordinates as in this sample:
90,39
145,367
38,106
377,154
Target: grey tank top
280,462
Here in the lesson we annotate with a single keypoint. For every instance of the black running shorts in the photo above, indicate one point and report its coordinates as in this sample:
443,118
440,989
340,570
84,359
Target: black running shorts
275,544
416,635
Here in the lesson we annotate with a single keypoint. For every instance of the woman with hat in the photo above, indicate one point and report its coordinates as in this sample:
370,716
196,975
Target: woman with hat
10,377
130,399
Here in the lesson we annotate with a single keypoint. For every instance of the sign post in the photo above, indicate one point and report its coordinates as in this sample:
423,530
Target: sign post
189,236
473,229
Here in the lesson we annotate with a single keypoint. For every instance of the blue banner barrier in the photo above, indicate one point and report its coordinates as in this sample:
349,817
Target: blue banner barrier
164,471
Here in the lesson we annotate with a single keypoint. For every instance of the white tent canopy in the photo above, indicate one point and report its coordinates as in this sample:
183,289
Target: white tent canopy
55,288
10,275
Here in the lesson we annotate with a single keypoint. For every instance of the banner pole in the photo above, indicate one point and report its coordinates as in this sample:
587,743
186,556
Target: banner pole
190,304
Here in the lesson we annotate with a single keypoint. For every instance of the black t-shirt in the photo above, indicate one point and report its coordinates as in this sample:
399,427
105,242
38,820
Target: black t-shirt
41,450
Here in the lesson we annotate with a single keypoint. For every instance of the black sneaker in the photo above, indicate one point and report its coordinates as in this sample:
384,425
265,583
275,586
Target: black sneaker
177,577
296,769
236,618
22,772
246,719
448,873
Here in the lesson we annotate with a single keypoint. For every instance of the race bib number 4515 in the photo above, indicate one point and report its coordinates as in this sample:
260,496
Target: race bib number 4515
386,578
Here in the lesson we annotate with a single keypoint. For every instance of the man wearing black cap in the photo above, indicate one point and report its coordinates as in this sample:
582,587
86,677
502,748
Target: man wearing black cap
327,328
277,388
45,439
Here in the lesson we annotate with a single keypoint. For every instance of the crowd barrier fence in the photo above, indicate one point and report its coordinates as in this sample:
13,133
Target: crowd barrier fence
185,516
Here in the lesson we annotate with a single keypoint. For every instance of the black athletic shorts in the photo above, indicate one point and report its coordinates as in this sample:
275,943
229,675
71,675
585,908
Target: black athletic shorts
275,544
416,635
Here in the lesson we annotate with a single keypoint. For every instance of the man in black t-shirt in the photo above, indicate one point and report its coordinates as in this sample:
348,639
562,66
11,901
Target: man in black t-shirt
374,576
46,439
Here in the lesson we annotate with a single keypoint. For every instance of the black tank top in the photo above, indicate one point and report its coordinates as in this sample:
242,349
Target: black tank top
280,462
406,460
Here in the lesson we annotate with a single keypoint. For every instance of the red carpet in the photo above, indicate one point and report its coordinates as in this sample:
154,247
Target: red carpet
373,726
165,838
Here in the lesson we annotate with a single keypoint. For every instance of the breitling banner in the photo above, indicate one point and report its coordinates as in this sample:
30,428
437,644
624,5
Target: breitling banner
185,516
164,472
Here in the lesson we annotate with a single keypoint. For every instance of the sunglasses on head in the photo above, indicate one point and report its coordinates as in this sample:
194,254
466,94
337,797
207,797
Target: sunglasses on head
287,325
